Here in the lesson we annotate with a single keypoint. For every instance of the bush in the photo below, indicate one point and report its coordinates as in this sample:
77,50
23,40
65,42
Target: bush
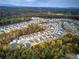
50,49
32,28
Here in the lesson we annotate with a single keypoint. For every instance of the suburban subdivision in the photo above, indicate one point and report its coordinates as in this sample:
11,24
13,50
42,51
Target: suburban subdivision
39,33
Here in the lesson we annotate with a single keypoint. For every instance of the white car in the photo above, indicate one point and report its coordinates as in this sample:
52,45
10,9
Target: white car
77,56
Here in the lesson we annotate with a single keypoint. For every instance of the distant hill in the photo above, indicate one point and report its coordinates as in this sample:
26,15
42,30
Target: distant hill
27,10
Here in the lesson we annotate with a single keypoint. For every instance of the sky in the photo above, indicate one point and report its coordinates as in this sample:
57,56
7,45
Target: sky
40,3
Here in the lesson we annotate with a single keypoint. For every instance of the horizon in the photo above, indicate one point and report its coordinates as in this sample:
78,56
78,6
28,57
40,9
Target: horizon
41,3
39,7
